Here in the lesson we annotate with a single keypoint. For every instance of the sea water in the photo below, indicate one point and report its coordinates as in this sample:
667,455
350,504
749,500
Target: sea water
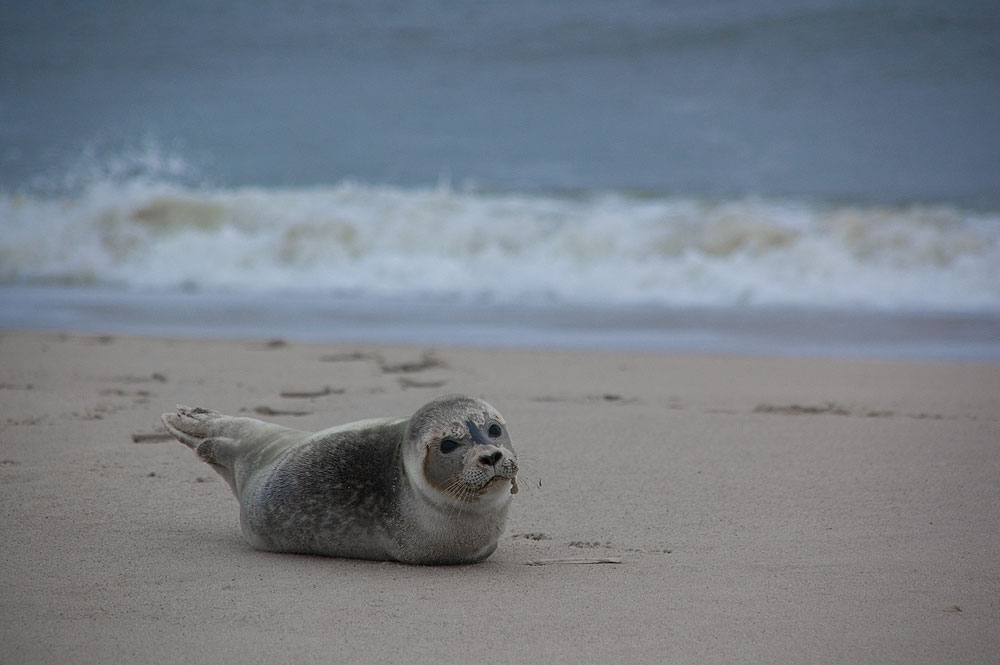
820,177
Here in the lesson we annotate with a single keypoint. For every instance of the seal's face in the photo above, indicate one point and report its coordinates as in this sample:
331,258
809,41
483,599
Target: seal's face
463,448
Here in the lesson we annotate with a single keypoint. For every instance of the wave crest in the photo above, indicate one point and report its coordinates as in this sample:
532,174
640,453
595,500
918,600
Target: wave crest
597,248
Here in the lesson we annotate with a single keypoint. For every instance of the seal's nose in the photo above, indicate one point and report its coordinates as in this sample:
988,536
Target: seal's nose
491,459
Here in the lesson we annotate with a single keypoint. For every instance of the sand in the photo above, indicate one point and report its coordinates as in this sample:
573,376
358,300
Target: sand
766,510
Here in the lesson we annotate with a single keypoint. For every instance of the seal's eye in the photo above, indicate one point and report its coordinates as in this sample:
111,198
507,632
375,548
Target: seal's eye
448,445
494,431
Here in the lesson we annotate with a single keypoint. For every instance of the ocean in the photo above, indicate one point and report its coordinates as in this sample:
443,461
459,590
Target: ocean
812,177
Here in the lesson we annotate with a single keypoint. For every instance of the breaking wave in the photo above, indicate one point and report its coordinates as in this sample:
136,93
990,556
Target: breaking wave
463,243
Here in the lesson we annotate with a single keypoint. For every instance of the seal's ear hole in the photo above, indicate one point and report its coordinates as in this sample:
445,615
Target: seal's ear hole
447,446
494,431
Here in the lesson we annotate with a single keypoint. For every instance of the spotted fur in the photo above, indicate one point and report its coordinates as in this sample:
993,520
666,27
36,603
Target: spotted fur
374,489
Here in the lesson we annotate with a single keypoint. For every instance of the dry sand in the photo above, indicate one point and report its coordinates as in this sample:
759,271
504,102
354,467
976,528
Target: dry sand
765,510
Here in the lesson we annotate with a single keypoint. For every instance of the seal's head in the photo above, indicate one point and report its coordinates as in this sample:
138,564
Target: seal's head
457,450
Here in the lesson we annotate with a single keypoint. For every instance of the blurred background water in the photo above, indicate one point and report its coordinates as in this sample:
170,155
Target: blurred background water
673,175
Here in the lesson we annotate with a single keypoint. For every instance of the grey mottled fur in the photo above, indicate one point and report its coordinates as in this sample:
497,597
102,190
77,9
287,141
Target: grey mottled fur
375,489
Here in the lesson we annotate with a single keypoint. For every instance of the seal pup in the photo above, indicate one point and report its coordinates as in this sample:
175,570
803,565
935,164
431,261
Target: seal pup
433,488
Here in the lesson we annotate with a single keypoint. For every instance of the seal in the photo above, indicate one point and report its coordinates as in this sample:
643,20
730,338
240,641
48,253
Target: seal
433,488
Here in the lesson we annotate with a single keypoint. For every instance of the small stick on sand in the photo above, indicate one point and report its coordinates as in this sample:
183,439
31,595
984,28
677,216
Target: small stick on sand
304,394
151,437
268,411
545,562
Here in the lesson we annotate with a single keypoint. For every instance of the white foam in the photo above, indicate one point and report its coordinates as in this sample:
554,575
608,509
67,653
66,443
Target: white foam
447,243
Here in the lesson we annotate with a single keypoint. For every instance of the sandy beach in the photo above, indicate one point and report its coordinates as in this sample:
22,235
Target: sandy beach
764,510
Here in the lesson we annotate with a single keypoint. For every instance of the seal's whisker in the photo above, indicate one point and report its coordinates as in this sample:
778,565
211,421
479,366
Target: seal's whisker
528,478
458,490
468,493
457,505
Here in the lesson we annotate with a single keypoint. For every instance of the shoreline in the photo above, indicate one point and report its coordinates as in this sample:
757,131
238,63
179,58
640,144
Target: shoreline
762,508
312,318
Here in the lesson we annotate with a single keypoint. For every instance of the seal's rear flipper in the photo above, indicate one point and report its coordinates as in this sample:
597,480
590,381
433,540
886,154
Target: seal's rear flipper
204,431
194,426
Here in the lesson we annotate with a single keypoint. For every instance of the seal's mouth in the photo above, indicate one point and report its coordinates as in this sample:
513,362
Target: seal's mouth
479,479
494,481
491,486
